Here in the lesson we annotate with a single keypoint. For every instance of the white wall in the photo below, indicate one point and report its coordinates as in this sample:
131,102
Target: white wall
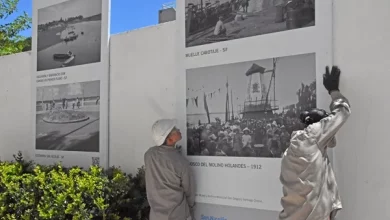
361,48
141,91
15,107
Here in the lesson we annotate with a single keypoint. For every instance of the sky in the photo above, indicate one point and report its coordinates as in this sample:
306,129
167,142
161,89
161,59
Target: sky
126,15
290,73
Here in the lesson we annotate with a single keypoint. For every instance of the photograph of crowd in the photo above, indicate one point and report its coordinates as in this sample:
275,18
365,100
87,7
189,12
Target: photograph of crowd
69,34
67,117
210,21
248,109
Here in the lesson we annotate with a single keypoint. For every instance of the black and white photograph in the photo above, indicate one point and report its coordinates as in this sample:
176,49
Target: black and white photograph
69,34
248,109
67,117
211,21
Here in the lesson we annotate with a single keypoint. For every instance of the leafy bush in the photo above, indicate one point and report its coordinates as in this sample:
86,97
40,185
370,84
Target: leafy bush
29,191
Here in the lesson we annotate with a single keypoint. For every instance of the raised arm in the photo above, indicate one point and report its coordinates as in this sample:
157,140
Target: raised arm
326,129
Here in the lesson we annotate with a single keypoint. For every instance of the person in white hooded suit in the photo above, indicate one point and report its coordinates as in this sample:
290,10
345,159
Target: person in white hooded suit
309,186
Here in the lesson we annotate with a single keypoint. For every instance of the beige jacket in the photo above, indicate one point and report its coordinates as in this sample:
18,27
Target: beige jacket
309,184
169,184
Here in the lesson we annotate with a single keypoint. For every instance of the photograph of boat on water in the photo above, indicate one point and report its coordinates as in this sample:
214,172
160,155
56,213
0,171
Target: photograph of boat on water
211,21
248,109
69,34
68,116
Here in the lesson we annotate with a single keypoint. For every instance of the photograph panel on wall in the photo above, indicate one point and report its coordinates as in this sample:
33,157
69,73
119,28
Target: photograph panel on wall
67,117
69,34
248,109
211,21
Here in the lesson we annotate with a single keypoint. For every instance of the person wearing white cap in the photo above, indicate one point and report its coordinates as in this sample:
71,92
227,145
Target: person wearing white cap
246,138
169,182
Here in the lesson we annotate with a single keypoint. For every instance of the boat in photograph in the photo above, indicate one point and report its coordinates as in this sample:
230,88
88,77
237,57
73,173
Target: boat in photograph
61,56
69,61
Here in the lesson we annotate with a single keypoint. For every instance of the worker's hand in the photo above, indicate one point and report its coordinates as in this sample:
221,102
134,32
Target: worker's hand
331,79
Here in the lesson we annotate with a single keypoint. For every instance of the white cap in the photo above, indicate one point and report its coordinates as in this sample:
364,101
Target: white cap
161,129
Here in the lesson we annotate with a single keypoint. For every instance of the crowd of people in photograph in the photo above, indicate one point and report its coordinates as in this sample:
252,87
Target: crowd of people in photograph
65,104
242,137
238,137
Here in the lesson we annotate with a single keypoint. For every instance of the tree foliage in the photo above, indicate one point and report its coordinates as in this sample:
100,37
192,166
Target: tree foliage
29,191
10,39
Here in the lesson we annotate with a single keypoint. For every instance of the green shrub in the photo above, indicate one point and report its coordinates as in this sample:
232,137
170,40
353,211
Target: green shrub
29,191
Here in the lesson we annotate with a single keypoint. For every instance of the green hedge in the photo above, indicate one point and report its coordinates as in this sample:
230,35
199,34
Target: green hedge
29,191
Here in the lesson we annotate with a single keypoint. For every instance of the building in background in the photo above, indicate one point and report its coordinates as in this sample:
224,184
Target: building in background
167,13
